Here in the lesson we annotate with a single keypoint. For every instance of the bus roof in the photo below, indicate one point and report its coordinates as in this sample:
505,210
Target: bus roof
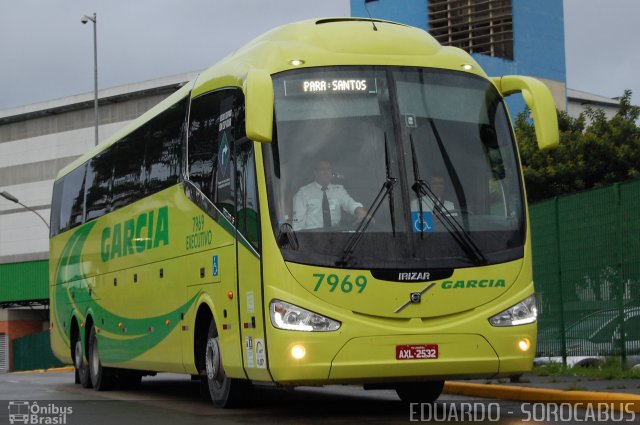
314,42
334,41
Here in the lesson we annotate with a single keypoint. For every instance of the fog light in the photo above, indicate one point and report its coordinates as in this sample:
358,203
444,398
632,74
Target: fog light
298,352
524,344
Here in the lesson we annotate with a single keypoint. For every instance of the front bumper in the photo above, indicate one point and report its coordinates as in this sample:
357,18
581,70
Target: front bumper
372,359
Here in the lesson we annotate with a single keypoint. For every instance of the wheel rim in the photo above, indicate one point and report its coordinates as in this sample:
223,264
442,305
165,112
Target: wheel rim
78,354
213,362
95,358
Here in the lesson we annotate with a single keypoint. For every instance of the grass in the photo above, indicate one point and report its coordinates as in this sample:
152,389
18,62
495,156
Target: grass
610,369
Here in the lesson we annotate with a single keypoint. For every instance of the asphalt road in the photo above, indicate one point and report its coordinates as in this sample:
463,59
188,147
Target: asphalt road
52,398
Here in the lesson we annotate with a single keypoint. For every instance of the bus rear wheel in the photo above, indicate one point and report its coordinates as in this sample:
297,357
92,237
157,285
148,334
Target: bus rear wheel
102,378
216,385
419,392
80,364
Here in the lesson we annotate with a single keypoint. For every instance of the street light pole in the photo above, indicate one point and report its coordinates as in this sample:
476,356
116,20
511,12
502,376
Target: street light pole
94,19
10,197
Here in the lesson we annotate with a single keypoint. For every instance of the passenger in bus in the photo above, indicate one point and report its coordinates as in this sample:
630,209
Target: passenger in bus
437,185
320,203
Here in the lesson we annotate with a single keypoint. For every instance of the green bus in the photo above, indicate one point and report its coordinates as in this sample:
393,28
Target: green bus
335,202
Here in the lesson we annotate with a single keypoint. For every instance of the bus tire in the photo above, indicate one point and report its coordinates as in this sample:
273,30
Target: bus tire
80,365
223,391
102,378
419,392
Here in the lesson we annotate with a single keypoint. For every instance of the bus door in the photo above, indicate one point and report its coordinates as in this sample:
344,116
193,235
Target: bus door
211,186
249,273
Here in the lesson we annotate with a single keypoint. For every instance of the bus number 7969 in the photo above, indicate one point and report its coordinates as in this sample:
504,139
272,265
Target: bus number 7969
346,286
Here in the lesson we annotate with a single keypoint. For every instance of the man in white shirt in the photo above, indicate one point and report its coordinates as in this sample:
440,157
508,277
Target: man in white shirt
320,203
437,185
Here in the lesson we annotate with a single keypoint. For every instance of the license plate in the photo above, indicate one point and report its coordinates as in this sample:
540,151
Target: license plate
417,352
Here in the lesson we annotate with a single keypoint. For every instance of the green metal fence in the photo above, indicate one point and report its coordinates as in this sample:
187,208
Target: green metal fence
26,281
34,352
586,266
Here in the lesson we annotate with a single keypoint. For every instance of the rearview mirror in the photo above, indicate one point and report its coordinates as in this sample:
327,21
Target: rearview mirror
258,90
539,100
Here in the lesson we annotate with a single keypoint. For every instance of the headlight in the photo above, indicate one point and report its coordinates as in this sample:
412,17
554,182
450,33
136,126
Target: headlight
520,314
290,317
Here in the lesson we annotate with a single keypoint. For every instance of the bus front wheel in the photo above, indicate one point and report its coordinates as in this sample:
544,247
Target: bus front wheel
419,392
222,390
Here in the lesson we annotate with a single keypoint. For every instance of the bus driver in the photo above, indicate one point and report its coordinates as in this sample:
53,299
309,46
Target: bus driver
320,203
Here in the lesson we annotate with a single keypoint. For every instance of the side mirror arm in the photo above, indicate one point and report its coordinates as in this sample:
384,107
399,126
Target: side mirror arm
539,100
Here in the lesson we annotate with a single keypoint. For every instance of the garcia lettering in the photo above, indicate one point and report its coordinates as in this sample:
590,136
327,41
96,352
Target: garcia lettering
148,230
466,284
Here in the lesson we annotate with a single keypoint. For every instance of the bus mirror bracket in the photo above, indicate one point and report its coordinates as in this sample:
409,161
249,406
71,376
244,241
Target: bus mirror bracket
258,90
539,100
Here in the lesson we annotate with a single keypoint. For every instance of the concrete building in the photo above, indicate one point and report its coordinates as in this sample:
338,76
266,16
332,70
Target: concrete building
578,102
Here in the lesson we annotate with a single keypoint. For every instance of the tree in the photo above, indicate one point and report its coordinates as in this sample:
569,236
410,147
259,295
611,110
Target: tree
593,151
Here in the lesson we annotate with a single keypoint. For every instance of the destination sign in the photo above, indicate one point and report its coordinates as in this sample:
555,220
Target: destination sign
330,86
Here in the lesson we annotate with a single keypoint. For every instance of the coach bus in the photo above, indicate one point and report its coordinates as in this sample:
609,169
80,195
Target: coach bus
191,241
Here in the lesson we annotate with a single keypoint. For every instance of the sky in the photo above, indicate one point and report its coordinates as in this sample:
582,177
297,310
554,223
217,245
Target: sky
47,53
602,46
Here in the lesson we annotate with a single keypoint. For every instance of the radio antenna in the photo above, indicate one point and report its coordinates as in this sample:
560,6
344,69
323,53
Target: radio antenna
369,13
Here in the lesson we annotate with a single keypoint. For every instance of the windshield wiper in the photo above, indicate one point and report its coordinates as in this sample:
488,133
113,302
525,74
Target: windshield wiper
390,192
459,234
385,190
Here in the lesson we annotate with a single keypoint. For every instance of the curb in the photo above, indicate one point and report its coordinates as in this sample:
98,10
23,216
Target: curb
53,369
616,401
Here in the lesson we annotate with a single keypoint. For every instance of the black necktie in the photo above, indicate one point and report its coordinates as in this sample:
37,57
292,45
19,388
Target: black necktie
326,213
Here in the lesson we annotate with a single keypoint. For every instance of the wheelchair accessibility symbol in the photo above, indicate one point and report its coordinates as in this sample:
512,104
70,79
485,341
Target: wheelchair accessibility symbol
422,224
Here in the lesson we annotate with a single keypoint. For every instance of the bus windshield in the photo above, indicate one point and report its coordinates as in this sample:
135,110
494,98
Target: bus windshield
426,157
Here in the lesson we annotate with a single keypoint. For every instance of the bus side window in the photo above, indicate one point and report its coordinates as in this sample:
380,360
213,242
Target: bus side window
69,210
127,157
203,142
216,122
76,195
54,219
98,186
163,137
